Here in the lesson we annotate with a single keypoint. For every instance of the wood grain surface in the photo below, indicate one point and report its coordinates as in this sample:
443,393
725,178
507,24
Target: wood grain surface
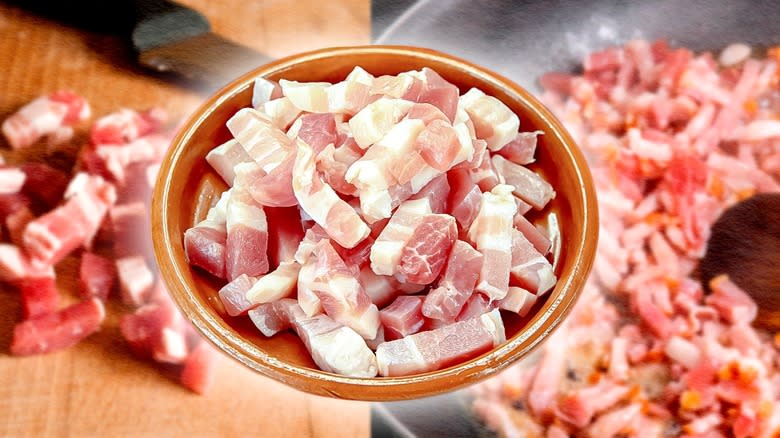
98,388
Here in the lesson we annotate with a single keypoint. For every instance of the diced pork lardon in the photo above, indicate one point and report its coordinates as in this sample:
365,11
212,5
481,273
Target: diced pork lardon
464,266
246,244
55,331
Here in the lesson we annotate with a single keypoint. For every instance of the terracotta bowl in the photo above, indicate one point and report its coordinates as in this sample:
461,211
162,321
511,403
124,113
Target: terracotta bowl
187,185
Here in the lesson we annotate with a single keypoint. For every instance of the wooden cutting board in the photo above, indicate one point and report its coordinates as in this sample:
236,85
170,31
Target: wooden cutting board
98,388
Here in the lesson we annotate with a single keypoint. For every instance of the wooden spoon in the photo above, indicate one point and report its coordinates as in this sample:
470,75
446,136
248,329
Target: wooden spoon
745,244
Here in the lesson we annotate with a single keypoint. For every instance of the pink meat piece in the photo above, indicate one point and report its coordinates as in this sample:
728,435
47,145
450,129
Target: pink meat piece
263,142
381,289
318,130
388,248
530,269
265,90
357,256
16,222
52,236
464,197
126,125
246,246
39,296
651,314
613,422
200,368
733,304
340,293
118,157
205,248
557,82
15,265
518,300
425,253
538,240
403,86
135,280
272,318
439,93
439,348
11,180
97,276
12,203
78,107
438,145
36,119
44,184
484,173
132,230
333,162
427,113
233,295
402,318
144,326
323,205
272,189
577,407
437,192
456,285
284,234
225,157
522,149
491,231
549,374
170,347
59,330
476,305
528,185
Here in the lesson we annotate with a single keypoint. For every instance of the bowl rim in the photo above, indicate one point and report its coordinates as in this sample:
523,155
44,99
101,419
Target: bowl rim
209,324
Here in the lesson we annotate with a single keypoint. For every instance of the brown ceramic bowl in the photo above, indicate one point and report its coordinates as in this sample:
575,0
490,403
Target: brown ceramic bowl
186,184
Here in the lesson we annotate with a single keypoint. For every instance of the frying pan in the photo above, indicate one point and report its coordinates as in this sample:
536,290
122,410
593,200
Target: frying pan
523,39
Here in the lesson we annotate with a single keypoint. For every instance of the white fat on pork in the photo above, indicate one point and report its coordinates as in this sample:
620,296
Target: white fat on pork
277,284
376,119
517,300
263,142
388,247
336,348
493,121
435,349
307,96
492,234
263,91
11,180
281,111
323,204
347,97
225,157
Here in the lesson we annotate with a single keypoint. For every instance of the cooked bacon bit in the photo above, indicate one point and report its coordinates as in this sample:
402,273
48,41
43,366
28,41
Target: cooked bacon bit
39,296
135,280
732,302
199,369
55,331
97,276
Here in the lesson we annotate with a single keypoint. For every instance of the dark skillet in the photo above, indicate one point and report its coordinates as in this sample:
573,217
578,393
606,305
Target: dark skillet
523,39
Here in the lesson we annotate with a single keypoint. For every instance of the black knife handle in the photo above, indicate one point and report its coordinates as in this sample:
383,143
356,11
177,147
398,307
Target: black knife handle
143,21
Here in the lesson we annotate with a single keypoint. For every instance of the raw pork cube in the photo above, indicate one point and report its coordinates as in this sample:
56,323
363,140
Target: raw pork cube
476,305
126,125
492,233
265,143
439,93
518,300
271,189
11,180
374,121
225,157
402,318
381,289
277,284
200,368
521,150
39,296
541,242
44,184
441,347
307,96
284,234
263,91
59,330
246,247
171,347
464,197
317,130
437,192
457,284
348,97
528,185
322,204
205,248
97,276
15,265
336,348
404,86
493,121
426,251
388,248
135,280
143,327
272,318
530,269
117,158
38,118
16,222
281,111
233,295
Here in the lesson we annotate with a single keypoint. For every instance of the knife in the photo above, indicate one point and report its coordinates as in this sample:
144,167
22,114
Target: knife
165,36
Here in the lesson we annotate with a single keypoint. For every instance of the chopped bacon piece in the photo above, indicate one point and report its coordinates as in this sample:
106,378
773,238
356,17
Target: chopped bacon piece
55,331
402,318
530,269
545,384
263,142
439,93
78,107
348,97
132,228
456,285
225,157
522,149
437,192
246,246
11,180
171,347
388,248
272,318
613,422
143,327
15,265
318,130
205,248
39,296
484,174
528,185
97,276
234,295
427,113
308,96
423,256
333,163
117,158
38,118
264,90
438,145
284,234
135,280
541,242
277,284
200,368
10,204
126,125
272,189
476,305
336,348
493,121
404,86
518,300
340,293
281,111
322,204
464,197
381,289
44,184
442,347
16,222
732,303
492,233
374,121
